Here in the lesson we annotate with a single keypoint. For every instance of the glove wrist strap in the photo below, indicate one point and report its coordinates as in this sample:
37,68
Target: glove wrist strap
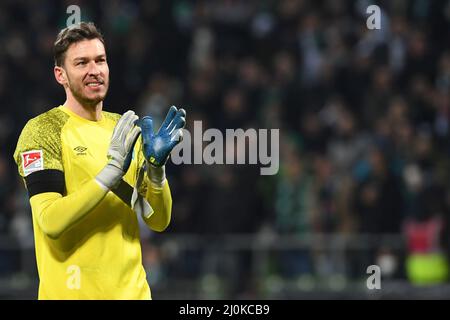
109,177
156,175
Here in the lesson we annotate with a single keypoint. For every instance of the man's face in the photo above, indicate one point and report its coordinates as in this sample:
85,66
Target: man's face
87,71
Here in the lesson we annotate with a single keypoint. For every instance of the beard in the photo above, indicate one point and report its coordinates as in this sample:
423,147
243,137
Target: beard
77,91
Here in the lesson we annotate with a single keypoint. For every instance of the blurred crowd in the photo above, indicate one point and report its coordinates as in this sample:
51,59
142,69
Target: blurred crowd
363,114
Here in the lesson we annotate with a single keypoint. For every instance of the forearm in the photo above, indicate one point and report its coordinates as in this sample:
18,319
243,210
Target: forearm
160,198
55,214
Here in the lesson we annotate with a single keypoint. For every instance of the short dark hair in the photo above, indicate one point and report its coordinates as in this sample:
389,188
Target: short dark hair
72,34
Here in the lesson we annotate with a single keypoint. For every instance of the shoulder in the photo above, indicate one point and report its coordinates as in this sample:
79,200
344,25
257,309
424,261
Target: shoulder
42,135
47,123
111,116
43,130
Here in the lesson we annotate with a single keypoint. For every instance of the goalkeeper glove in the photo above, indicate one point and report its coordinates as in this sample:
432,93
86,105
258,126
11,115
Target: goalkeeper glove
120,150
157,147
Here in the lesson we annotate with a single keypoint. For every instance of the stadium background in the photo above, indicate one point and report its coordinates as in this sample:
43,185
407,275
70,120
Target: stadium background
364,141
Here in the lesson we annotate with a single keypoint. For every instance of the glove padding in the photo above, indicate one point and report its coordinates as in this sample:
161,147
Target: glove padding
120,151
157,147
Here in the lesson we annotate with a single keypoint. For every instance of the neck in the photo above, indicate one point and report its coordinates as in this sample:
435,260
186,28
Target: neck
89,112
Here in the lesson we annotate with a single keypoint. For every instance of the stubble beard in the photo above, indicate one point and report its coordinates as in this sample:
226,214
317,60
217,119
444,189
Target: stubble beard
77,93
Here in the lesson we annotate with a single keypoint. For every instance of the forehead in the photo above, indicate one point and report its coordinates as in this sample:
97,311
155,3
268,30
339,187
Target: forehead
85,48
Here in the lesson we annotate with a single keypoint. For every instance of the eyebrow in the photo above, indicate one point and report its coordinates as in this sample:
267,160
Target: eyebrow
87,58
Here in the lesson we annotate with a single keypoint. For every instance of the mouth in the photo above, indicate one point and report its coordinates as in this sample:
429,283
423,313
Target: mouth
94,84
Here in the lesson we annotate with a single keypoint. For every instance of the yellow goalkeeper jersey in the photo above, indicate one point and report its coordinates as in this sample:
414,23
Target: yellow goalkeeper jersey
99,257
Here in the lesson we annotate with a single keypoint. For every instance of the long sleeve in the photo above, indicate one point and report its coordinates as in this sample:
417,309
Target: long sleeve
160,198
55,213
157,195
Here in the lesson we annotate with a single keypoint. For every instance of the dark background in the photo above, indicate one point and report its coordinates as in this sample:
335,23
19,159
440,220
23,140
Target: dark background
364,141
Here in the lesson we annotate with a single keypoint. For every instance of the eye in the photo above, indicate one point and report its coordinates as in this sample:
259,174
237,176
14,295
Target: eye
80,63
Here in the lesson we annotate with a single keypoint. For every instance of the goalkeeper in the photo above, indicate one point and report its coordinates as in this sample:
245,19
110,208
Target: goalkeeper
89,174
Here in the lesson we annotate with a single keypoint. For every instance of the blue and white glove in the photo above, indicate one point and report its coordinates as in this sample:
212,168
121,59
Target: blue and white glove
157,147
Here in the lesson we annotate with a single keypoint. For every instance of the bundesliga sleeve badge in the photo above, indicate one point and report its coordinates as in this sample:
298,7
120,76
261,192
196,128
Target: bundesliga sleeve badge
32,161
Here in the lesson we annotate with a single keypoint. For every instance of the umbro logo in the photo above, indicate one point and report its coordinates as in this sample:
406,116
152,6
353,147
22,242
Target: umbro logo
80,150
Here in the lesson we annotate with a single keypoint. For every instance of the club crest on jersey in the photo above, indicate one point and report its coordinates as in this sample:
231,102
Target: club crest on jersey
32,161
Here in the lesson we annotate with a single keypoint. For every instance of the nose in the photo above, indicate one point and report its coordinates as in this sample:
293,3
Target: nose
93,68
